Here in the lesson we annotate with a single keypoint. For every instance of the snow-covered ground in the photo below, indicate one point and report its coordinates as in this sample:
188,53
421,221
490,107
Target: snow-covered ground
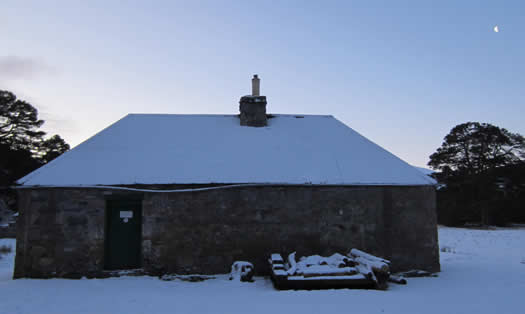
483,271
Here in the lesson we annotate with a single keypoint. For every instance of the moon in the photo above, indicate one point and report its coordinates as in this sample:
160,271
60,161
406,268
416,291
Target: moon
496,29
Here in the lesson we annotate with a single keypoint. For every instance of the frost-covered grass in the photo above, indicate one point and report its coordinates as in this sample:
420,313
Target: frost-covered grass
483,271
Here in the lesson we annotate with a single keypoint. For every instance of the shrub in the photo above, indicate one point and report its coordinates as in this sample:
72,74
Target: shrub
4,249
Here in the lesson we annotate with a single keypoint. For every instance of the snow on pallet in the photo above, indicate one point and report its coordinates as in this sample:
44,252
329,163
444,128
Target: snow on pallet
358,269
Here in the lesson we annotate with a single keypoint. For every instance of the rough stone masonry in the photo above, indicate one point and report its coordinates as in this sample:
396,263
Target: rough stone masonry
61,231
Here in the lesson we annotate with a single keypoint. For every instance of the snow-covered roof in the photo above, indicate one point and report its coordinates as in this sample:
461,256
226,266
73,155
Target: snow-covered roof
202,149
425,170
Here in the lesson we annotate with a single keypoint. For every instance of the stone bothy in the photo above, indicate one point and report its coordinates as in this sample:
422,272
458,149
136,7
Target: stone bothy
178,194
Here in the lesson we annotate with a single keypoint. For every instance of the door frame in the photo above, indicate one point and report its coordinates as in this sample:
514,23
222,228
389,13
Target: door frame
107,216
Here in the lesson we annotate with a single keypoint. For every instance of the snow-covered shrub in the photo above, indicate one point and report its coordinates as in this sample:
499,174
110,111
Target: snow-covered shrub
447,249
241,271
4,249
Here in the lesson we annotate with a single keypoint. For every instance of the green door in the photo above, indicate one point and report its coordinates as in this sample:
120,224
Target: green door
123,234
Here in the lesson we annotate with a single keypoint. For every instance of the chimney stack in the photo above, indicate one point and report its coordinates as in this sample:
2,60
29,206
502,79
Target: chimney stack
253,107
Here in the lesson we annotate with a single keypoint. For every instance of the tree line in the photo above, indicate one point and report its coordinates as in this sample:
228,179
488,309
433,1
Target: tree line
24,147
481,174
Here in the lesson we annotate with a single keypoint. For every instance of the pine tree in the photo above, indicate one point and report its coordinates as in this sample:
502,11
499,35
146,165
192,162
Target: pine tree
19,123
474,147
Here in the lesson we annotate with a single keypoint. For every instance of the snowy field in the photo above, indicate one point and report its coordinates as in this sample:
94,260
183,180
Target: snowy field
483,271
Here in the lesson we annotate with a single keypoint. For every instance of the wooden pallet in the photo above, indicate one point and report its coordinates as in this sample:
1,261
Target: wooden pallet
283,281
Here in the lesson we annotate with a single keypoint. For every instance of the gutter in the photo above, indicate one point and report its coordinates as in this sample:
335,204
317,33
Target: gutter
121,188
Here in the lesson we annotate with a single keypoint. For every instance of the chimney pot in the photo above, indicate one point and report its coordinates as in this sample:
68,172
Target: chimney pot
256,85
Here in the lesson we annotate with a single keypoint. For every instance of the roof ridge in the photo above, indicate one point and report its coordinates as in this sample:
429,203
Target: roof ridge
226,114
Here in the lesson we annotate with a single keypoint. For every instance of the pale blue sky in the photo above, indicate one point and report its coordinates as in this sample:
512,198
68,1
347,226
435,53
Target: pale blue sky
402,73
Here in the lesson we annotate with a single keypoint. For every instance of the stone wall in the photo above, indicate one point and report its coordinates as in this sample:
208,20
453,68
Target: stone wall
61,231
